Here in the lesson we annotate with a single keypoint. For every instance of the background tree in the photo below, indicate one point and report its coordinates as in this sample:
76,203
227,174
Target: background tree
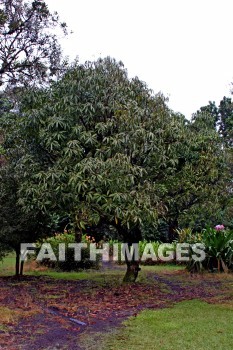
225,115
29,55
220,118
29,51
16,226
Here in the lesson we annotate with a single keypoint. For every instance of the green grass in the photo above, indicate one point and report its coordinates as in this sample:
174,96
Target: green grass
79,275
106,276
162,267
7,265
192,325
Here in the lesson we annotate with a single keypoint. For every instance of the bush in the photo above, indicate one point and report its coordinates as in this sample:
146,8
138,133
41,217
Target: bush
69,264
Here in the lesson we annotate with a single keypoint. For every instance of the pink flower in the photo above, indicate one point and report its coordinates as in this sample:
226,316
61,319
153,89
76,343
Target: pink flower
219,227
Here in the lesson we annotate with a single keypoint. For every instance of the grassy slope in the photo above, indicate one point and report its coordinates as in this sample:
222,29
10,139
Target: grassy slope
192,325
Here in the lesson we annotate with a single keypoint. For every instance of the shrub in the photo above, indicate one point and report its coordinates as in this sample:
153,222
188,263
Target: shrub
69,264
218,244
186,235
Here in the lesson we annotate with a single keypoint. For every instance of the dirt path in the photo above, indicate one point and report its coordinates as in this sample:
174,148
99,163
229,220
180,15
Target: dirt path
56,312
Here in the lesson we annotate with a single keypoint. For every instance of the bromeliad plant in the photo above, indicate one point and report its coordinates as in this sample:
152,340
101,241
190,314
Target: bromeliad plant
218,244
219,247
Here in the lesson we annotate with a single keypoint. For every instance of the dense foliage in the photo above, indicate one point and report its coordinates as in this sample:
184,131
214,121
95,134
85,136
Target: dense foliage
104,153
220,118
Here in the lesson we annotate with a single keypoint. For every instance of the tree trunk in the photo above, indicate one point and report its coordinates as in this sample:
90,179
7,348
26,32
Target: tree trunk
21,268
132,264
17,261
130,237
132,271
172,234
78,235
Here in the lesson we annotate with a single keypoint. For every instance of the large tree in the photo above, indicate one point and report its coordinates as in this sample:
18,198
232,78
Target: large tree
29,55
29,49
104,149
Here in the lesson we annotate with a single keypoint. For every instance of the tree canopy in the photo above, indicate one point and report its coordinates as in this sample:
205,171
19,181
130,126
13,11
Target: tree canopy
104,150
103,147
29,50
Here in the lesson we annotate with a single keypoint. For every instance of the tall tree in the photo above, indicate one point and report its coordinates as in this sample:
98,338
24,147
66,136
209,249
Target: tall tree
29,50
106,150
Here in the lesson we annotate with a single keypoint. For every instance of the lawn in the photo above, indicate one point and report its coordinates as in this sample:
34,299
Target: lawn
7,265
7,268
192,325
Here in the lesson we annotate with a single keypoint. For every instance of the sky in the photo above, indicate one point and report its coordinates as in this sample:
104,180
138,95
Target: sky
182,48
